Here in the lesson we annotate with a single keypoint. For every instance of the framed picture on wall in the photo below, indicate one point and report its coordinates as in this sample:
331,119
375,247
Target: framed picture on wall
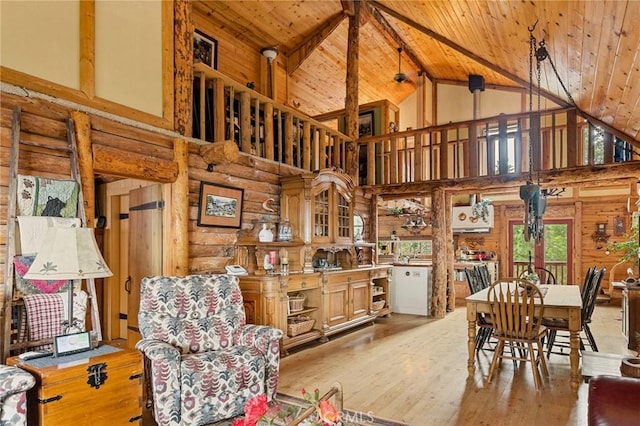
205,49
365,124
220,206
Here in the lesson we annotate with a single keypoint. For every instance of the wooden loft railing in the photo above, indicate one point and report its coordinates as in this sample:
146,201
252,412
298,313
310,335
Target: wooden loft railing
486,147
260,126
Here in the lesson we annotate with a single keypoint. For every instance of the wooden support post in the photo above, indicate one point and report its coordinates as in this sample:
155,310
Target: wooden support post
439,221
245,122
471,159
203,106
306,145
350,163
180,210
393,161
218,111
87,48
573,153
503,161
371,163
182,37
322,155
444,155
82,129
288,138
268,130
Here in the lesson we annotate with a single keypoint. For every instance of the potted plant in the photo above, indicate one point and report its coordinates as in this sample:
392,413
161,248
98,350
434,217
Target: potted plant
481,209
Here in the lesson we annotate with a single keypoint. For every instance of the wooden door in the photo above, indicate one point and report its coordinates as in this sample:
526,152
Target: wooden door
553,253
145,248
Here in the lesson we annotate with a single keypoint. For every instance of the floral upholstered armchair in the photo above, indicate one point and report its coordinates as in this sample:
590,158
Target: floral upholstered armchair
14,384
203,361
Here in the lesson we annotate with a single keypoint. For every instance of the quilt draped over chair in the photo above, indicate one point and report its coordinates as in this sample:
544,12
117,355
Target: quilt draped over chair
205,362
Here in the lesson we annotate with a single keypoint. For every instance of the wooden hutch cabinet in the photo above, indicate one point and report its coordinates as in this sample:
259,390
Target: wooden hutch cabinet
333,291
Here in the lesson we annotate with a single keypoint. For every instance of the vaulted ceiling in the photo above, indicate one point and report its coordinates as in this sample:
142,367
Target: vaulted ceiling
593,46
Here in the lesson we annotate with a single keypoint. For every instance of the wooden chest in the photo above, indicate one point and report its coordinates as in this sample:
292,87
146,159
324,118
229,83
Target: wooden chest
99,387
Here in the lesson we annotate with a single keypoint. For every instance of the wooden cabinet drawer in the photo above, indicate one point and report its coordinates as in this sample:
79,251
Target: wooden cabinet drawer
347,278
297,283
380,273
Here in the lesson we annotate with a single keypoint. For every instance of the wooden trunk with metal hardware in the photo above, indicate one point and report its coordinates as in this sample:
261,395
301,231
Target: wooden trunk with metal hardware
94,390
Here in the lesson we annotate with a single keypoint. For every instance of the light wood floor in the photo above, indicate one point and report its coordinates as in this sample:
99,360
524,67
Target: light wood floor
414,369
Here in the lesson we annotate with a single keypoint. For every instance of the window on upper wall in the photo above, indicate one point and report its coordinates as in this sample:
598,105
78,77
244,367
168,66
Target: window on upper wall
407,248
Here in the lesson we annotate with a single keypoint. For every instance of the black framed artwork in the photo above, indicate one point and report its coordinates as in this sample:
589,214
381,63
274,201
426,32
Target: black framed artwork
205,49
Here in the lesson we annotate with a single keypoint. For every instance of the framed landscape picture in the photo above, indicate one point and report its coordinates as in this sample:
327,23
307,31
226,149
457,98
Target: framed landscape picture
205,49
220,206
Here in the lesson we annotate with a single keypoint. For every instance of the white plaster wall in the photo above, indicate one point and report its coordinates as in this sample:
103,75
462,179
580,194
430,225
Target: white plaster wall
41,38
455,103
129,53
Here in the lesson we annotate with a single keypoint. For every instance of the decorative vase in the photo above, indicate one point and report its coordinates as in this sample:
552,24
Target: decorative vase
265,235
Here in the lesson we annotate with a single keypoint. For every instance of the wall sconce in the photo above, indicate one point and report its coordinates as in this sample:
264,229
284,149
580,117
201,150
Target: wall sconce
600,237
270,53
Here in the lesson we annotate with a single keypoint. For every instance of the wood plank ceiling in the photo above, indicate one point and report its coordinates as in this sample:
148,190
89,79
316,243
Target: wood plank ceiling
594,46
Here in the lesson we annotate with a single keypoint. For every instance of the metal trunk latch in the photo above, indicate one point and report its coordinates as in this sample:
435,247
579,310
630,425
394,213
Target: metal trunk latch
97,374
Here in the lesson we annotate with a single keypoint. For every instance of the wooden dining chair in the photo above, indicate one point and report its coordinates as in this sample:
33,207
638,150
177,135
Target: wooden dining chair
516,308
589,294
485,329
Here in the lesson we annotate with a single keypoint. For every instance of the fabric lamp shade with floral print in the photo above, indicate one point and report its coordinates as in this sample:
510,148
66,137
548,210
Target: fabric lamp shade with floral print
69,254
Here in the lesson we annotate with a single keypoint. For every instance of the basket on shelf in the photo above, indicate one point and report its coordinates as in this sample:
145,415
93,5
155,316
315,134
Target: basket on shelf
296,303
378,304
298,325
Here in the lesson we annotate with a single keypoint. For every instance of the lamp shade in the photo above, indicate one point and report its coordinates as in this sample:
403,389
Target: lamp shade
68,254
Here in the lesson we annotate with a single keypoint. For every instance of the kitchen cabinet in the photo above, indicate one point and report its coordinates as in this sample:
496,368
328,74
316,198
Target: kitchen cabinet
347,299
631,316
266,301
336,300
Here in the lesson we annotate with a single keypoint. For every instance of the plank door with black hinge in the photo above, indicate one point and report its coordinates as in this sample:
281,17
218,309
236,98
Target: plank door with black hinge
145,248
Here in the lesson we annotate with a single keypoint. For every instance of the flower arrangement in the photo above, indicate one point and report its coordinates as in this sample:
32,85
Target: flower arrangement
532,277
256,410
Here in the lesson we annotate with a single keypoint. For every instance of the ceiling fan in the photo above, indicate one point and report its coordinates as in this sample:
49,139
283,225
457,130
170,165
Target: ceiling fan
400,77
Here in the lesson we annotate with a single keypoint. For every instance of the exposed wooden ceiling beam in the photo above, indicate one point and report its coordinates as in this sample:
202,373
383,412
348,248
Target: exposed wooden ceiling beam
301,52
348,7
599,175
441,39
393,38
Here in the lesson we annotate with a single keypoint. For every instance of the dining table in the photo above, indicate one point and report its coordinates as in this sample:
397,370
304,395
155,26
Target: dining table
560,302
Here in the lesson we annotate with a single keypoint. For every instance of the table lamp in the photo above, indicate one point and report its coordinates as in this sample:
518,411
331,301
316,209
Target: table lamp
69,254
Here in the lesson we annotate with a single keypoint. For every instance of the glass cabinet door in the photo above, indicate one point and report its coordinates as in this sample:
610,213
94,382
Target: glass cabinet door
344,217
321,214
